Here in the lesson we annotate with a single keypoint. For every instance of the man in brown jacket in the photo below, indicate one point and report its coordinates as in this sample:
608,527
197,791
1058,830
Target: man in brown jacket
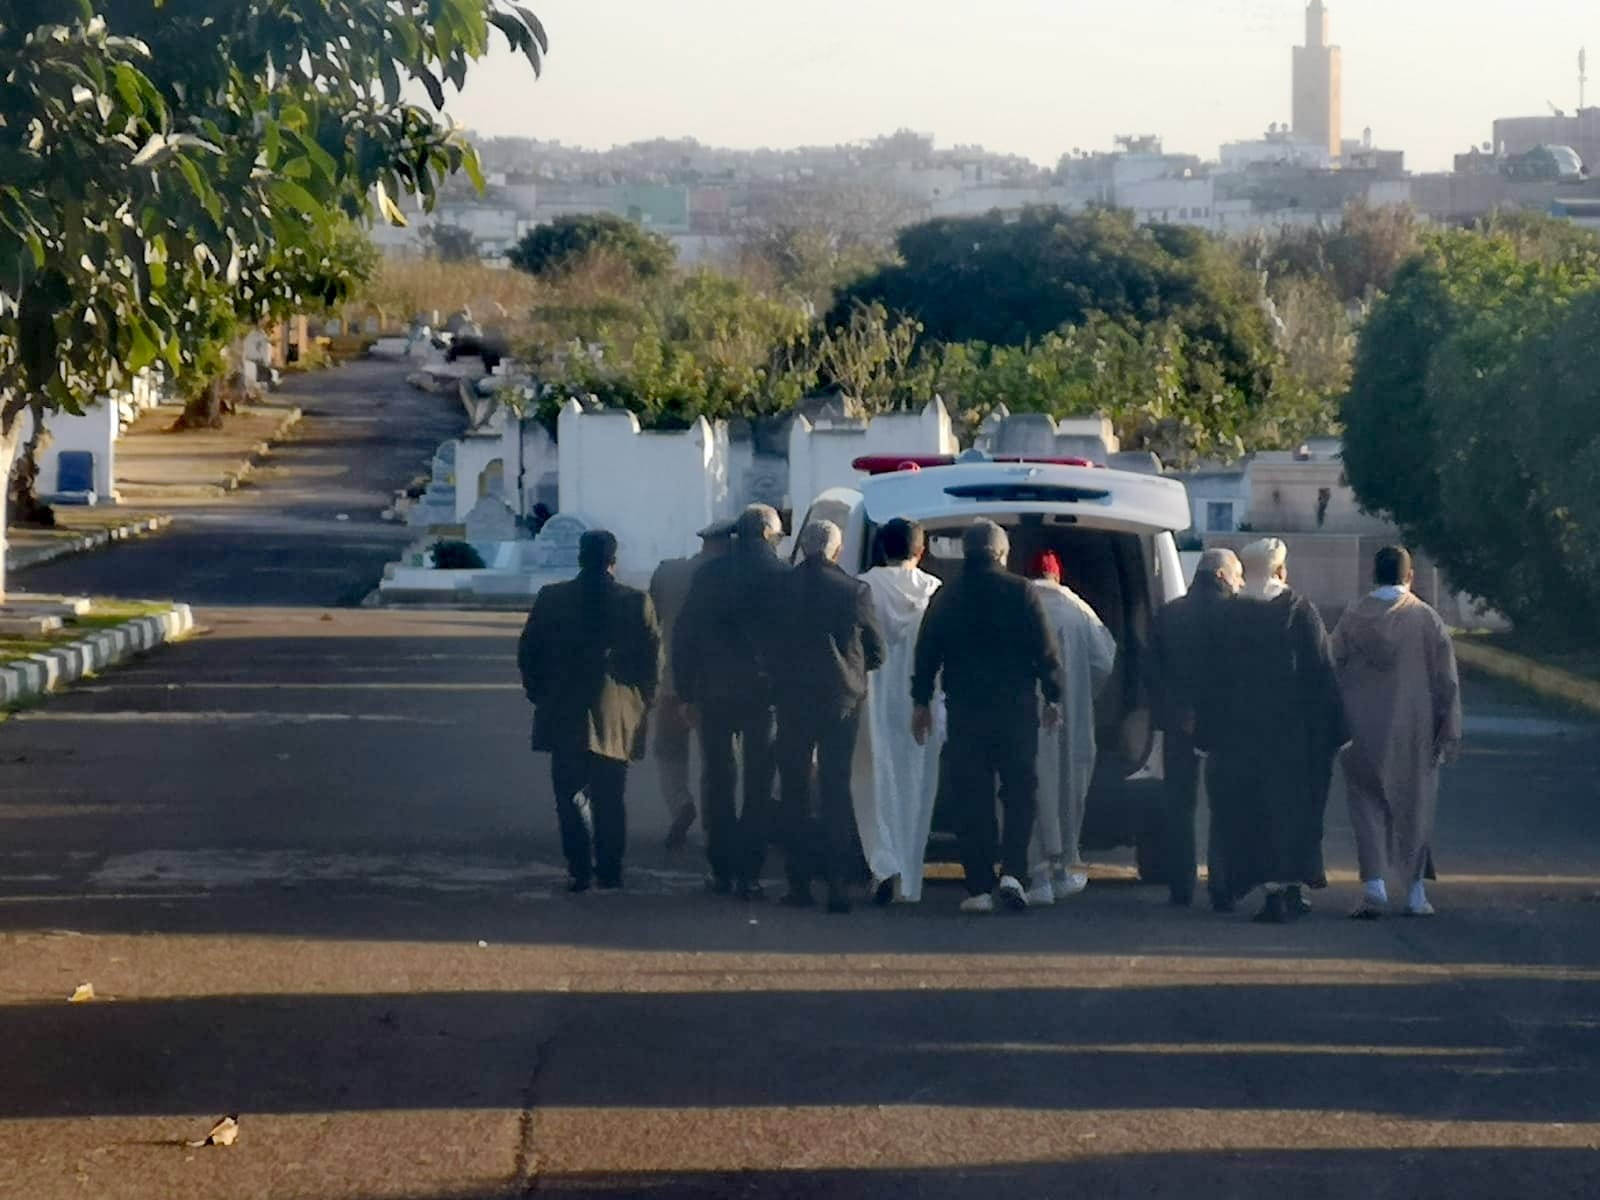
1397,670
590,657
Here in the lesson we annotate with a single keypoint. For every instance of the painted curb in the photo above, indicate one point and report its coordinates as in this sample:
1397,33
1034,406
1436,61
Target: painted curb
21,560
233,480
40,674
1549,682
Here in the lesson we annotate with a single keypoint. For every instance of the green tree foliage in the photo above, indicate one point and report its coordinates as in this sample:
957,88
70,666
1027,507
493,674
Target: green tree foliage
147,139
700,345
450,244
1464,421
1179,296
1356,260
567,243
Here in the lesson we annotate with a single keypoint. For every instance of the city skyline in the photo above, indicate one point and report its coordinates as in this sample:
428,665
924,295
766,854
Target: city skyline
1032,77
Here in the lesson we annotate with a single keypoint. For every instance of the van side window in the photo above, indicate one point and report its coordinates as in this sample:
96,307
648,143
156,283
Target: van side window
823,510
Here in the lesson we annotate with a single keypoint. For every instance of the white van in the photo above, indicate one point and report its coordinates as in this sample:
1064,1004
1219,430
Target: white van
1113,531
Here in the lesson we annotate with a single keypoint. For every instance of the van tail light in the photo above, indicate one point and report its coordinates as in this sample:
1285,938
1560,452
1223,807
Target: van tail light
889,464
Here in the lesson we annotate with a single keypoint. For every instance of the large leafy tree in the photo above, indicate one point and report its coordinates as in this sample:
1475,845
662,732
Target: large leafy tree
1464,421
1012,280
568,243
145,140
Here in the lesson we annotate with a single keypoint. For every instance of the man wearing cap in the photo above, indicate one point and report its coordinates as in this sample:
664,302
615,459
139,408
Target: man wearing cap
722,666
1066,756
590,658
669,588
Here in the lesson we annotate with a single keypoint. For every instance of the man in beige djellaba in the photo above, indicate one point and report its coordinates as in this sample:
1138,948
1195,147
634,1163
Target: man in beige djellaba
1402,697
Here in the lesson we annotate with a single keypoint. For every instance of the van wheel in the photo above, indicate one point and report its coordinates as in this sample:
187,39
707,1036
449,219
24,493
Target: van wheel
1148,850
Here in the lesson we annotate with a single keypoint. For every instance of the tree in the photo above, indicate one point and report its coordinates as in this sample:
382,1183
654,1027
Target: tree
1468,388
557,249
449,243
869,357
146,138
1012,279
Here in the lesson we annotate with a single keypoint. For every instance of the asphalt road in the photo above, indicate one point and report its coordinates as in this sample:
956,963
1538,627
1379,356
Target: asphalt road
310,869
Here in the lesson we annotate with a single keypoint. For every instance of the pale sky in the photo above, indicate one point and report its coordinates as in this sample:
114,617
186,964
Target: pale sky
1034,77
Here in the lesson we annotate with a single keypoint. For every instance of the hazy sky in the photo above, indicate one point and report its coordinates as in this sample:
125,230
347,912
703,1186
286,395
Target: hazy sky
1035,77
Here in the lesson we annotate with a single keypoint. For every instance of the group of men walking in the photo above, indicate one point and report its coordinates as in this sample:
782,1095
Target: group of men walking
981,690
1254,697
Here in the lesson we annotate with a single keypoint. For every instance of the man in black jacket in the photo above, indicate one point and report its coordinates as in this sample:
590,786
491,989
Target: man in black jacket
1179,666
828,641
988,635
722,667
590,657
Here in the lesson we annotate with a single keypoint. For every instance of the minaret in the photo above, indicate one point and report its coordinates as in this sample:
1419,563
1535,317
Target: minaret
1318,84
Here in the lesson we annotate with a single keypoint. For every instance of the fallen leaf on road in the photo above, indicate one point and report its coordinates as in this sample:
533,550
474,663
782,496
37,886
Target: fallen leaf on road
84,991
342,517
224,1133
483,945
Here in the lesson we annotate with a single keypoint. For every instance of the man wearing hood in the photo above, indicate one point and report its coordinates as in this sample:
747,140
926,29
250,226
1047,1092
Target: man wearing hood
1266,569
1397,669
1179,665
828,647
1066,756
895,815
1272,722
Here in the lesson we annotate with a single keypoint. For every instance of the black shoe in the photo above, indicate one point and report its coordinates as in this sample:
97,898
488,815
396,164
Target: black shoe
1221,904
1295,902
719,885
609,885
884,895
577,886
839,903
752,891
678,835
799,898
1273,911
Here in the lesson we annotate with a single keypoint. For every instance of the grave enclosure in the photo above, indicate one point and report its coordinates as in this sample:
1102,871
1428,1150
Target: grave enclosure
654,490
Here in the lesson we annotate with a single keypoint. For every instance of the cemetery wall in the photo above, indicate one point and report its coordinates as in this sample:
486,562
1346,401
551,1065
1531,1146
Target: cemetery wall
820,455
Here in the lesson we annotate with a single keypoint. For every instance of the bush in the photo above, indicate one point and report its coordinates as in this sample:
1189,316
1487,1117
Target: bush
456,556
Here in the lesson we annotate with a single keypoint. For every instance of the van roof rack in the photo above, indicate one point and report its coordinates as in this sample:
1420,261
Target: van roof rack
889,464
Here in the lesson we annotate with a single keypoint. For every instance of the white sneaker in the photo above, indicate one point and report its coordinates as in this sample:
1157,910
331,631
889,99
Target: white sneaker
1012,894
1042,893
1071,883
978,905
1425,909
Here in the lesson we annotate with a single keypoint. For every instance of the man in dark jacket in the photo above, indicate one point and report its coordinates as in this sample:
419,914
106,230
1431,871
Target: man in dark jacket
722,669
590,658
988,635
1179,666
828,640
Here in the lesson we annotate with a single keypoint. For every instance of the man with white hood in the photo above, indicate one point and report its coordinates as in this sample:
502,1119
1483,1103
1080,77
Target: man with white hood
1266,569
1066,755
895,815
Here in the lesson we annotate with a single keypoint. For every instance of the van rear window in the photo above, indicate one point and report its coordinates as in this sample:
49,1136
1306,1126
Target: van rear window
1028,493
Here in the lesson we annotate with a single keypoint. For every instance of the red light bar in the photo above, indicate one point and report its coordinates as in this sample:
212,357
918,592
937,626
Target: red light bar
889,464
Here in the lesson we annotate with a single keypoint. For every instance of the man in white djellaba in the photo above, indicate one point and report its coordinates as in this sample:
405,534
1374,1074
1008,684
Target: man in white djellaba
895,814
1066,756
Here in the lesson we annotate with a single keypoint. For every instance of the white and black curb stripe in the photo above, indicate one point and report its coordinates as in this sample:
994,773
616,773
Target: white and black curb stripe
51,670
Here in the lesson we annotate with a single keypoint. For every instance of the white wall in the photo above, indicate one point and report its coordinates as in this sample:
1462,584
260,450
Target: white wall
820,455
655,491
96,431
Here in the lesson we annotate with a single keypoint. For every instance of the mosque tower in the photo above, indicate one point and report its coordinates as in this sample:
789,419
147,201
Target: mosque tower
1318,85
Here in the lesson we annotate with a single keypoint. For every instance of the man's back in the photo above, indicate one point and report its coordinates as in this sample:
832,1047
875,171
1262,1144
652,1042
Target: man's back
722,648
828,636
988,634
1182,655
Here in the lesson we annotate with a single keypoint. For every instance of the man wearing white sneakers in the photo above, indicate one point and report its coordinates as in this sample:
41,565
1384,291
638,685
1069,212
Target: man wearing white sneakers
987,636
1066,756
